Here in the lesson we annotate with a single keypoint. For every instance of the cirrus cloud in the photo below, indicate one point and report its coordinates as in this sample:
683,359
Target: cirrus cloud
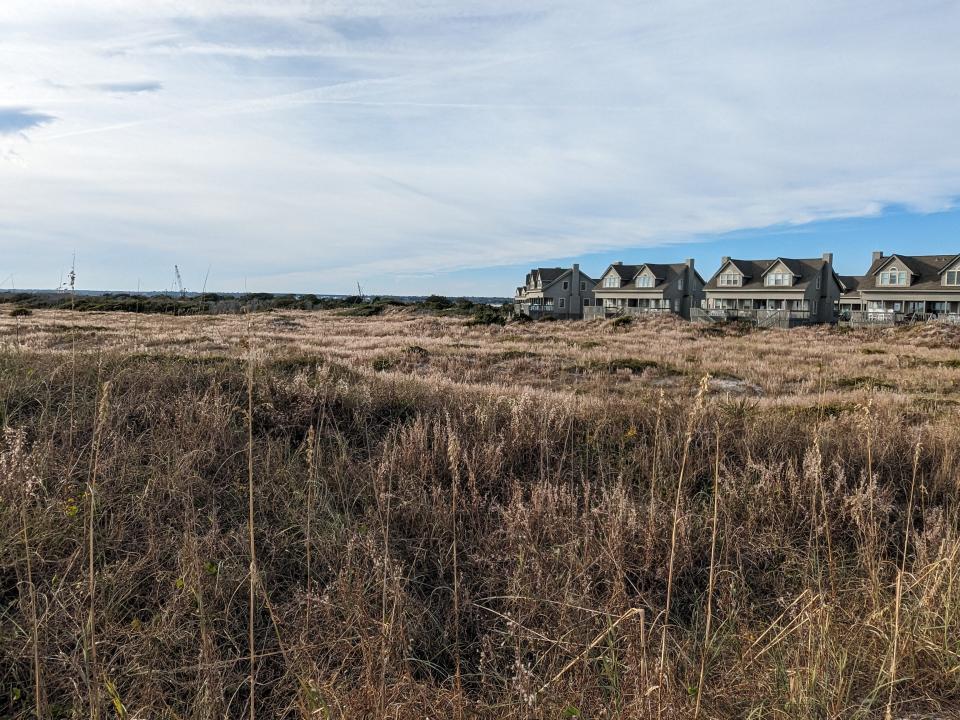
307,145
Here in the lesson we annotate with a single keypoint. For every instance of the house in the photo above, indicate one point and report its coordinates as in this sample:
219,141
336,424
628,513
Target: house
911,287
851,301
782,291
647,288
554,292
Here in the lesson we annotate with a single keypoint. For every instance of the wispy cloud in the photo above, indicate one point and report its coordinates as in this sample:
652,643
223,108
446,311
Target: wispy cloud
17,119
386,141
145,86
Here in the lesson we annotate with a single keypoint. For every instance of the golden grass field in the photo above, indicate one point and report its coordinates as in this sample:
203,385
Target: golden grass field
306,514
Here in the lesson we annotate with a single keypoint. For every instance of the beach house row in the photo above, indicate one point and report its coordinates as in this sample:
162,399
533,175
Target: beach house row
780,291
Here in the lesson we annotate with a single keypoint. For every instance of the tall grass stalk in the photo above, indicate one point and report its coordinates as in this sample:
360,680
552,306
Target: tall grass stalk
93,670
898,596
692,418
710,582
453,457
252,546
34,625
308,522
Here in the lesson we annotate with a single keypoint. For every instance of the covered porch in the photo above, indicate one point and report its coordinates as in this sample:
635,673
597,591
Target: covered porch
614,306
893,311
759,308
537,307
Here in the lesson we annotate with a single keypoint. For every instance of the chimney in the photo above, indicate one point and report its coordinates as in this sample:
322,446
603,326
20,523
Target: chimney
618,262
877,255
690,263
828,258
725,259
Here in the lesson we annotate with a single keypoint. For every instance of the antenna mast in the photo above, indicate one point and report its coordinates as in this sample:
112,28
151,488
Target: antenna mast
178,281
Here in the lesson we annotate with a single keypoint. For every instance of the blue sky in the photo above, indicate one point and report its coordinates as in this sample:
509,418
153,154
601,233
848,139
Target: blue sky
448,145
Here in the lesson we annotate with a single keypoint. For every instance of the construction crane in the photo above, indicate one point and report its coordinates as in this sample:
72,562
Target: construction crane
178,281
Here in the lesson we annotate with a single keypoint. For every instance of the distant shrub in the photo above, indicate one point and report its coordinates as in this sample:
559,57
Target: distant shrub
436,302
383,363
622,322
487,315
516,354
20,312
864,382
363,311
417,351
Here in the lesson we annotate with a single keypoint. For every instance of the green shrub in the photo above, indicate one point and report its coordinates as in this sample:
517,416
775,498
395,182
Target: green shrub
383,363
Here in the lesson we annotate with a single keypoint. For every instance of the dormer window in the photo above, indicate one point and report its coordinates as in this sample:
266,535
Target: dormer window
952,277
729,280
644,281
778,279
611,281
893,276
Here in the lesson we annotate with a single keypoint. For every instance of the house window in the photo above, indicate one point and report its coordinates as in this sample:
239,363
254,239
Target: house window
611,281
680,284
818,282
645,281
566,284
563,302
583,287
729,279
953,277
778,279
893,276
586,302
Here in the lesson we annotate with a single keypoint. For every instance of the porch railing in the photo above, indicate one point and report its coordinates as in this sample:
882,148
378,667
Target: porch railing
760,317
613,311
885,317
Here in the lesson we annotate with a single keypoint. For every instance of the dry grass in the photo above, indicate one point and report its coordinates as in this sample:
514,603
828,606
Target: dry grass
457,521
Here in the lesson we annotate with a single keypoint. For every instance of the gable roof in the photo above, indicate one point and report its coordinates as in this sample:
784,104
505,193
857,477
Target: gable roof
926,270
663,273
549,275
626,272
789,263
805,271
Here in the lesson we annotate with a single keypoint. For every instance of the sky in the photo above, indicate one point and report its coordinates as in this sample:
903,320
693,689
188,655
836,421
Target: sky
419,146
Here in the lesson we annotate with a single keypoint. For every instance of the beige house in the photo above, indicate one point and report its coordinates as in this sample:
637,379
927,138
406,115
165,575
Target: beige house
562,293
899,288
782,291
647,288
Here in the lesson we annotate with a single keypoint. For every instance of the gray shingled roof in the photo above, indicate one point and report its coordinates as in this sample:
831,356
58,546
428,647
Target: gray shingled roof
926,271
850,284
548,275
664,273
806,271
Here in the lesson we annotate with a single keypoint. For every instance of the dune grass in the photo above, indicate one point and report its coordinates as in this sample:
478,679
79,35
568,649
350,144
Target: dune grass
226,517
